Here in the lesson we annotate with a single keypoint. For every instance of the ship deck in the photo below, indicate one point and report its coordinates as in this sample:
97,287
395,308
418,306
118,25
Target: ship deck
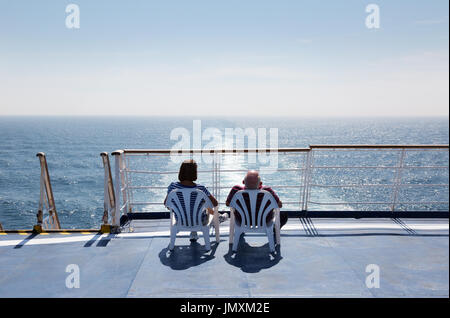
317,258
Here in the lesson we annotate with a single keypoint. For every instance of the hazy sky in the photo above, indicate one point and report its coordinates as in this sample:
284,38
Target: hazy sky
210,57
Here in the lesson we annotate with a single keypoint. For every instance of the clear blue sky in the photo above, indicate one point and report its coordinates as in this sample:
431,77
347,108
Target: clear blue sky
212,57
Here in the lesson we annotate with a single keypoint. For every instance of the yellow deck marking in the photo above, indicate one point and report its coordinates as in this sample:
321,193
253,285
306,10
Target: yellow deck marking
3,233
43,233
23,233
85,232
64,233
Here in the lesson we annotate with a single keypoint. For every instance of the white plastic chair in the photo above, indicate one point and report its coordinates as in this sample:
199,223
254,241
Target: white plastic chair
189,216
254,221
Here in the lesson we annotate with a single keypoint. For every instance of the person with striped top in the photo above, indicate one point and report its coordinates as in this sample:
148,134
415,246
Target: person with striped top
252,181
186,176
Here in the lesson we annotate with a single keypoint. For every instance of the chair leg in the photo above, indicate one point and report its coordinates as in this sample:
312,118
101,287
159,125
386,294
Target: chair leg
236,237
206,237
173,236
216,223
270,237
277,226
232,222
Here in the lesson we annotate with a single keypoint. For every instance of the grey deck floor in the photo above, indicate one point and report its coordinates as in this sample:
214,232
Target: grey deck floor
317,258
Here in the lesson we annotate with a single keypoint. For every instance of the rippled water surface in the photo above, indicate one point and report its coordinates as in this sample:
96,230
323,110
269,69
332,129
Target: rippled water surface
73,145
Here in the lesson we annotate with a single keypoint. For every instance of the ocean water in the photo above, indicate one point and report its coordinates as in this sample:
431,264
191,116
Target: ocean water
73,146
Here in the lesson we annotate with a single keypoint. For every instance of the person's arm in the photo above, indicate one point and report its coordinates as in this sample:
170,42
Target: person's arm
230,195
210,196
169,188
275,196
214,203
213,200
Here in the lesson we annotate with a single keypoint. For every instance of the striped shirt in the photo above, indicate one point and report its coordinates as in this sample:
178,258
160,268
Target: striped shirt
178,185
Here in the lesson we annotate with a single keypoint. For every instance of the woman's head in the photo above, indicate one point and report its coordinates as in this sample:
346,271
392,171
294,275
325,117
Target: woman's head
188,171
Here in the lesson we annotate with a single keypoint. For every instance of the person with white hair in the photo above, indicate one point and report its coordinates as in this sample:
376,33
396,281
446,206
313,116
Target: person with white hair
252,181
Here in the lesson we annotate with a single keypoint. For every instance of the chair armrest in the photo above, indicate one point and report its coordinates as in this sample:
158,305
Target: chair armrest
232,225
277,226
216,223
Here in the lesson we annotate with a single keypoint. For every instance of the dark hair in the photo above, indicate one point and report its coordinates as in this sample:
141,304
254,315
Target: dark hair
188,171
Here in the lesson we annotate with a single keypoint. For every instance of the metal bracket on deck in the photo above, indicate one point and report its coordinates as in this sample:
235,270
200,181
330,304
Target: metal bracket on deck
108,228
46,200
109,205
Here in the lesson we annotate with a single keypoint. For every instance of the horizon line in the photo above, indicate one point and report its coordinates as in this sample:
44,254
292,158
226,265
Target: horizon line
258,116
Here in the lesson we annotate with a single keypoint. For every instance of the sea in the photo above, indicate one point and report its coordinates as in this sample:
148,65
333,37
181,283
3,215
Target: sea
73,145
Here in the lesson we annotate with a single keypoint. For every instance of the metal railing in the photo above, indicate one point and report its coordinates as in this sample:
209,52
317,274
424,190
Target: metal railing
309,169
397,169
46,199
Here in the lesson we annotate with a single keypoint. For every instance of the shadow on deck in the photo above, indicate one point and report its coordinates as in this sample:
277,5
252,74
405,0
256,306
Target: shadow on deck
317,258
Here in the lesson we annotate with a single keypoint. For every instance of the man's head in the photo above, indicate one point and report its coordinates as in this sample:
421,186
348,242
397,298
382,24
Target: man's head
252,180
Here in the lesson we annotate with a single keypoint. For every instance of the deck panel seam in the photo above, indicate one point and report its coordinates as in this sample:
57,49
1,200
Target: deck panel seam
127,294
345,262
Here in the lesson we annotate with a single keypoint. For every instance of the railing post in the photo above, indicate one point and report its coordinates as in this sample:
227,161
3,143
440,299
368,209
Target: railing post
128,182
46,189
306,188
214,175
218,175
398,179
124,184
109,204
116,212
305,171
40,214
1,227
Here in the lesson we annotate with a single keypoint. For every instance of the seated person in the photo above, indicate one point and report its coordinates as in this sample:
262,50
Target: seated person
252,181
186,176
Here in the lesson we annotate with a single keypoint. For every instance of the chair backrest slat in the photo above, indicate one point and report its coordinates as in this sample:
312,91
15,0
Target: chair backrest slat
254,217
188,211
253,195
174,203
261,210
